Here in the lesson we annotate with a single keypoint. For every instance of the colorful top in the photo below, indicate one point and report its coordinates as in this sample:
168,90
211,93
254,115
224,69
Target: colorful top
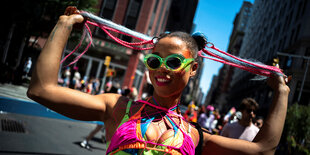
129,138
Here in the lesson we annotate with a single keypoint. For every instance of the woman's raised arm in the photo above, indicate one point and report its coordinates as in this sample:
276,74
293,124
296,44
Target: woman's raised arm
269,135
44,88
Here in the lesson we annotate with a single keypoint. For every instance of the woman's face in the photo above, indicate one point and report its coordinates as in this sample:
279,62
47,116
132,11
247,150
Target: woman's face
169,83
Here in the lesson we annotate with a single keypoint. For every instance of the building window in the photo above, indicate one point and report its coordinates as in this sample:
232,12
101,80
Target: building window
304,8
286,24
297,33
153,17
107,12
304,61
291,4
284,45
108,7
160,17
292,36
280,45
298,12
165,19
132,16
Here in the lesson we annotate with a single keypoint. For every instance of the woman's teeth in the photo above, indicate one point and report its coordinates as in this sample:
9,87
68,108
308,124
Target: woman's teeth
162,80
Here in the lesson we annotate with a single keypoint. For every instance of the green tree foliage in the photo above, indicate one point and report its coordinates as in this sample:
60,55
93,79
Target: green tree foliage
297,129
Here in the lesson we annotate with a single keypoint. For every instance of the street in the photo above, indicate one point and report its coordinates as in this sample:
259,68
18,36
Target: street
23,131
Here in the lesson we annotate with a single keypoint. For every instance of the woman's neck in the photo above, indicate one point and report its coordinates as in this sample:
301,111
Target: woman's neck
166,102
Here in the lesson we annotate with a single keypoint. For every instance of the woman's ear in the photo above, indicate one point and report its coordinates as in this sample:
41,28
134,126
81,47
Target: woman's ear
194,69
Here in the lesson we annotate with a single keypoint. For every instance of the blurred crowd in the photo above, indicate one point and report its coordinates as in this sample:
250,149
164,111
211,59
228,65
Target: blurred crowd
240,123
92,85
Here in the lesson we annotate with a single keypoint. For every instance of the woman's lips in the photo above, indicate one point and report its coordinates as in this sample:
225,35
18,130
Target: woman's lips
162,81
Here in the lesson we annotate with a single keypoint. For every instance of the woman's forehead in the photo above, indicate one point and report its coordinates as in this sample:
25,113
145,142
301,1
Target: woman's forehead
171,45
171,42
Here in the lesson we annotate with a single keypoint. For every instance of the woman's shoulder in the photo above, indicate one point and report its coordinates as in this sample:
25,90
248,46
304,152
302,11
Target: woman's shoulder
124,104
115,107
193,131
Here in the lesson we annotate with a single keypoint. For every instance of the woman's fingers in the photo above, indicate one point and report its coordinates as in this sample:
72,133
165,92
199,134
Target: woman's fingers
78,18
72,14
70,10
279,83
288,79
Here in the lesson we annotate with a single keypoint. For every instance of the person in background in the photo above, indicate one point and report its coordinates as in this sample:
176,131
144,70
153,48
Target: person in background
126,92
259,122
27,67
85,143
210,119
190,114
202,117
107,87
214,124
95,85
244,128
235,117
76,84
229,115
134,93
66,75
89,86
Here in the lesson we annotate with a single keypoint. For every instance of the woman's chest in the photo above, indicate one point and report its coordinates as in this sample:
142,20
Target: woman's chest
167,133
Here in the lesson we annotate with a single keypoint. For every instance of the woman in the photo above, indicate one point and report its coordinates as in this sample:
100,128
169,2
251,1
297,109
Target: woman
152,126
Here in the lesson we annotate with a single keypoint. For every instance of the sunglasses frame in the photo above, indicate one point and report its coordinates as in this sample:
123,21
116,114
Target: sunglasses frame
184,62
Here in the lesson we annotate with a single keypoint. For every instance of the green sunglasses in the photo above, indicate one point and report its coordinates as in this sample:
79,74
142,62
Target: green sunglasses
173,62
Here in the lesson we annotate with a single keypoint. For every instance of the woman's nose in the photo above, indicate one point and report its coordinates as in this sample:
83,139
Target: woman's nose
163,67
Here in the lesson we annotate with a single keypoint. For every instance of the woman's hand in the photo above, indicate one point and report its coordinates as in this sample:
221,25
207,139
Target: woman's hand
71,16
278,83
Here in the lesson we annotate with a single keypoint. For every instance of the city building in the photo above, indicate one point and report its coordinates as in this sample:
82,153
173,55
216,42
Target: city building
181,15
212,92
276,26
226,72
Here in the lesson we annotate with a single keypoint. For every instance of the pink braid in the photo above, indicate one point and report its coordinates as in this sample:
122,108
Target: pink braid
254,64
252,70
85,50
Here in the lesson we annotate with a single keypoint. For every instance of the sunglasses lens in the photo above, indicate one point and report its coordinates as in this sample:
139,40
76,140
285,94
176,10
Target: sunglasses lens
153,62
173,63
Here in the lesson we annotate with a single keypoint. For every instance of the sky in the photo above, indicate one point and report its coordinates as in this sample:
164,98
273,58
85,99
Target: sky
215,19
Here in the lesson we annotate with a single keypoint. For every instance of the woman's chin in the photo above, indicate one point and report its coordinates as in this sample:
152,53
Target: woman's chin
166,93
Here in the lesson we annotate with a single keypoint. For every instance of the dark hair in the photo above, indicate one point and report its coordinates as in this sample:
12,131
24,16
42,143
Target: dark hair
248,102
194,43
126,92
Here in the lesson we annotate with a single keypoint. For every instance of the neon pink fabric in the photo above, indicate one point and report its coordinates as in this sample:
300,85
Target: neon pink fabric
272,68
122,42
126,134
